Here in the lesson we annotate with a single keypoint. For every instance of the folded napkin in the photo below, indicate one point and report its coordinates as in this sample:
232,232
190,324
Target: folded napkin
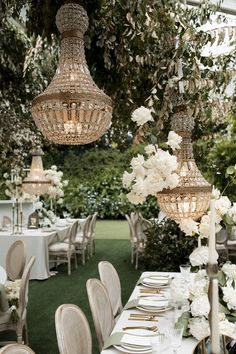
136,341
131,304
153,303
156,281
161,277
114,339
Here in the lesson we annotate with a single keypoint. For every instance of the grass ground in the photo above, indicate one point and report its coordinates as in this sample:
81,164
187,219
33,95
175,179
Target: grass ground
45,296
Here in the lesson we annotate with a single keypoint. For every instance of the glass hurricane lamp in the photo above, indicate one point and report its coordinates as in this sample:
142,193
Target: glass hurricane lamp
36,183
191,197
72,110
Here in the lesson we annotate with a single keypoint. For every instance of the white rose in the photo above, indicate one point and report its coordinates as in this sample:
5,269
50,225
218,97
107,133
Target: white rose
199,256
135,198
229,297
198,288
65,183
174,140
141,116
188,226
199,327
5,175
201,274
127,179
222,205
150,149
200,306
172,180
229,270
215,193
54,167
137,161
228,328
60,201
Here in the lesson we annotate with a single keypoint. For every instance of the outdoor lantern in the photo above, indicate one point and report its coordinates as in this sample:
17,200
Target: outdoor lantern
191,197
72,110
36,182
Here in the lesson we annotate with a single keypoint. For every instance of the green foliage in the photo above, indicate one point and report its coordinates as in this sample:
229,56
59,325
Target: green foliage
167,239
98,185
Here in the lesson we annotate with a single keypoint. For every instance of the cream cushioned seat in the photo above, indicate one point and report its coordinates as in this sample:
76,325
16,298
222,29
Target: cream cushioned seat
60,246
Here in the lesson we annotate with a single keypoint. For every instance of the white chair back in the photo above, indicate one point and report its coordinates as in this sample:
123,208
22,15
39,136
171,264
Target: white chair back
131,228
110,278
15,260
101,309
16,349
86,227
72,329
73,232
93,223
24,287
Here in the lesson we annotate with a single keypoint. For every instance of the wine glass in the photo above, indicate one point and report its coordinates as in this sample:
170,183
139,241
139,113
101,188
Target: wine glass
176,338
185,271
159,343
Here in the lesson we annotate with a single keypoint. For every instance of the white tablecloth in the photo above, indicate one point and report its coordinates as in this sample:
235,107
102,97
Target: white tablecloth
188,344
37,242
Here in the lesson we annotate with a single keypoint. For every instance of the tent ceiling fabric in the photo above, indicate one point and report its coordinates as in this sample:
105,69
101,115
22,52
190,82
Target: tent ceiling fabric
228,6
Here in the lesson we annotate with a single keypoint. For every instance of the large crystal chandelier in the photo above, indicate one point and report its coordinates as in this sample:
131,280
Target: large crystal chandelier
72,110
36,183
191,197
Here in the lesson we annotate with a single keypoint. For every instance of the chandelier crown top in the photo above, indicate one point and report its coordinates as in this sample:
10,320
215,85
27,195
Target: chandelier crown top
72,17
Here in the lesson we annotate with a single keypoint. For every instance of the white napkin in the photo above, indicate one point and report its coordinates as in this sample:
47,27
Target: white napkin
136,340
153,303
156,281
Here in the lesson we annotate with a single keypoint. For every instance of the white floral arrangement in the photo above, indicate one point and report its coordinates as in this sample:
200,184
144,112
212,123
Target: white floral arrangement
194,316
153,171
14,187
225,217
55,191
47,216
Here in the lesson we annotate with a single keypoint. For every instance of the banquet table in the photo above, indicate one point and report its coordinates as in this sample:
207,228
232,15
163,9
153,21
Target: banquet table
164,322
37,241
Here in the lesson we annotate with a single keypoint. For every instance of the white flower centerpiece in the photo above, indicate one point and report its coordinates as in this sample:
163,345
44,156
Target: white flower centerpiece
153,171
55,191
196,318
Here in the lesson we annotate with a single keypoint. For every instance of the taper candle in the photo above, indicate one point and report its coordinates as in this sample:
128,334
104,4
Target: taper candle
212,235
215,332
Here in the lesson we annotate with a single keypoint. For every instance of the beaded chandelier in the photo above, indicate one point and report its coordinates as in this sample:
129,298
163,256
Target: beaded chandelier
36,182
191,197
72,110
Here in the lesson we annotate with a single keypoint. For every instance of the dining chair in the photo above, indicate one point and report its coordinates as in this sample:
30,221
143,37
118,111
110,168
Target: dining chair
16,349
92,228
82,239
20,326
101,309
6,220
221,243
15,260
110,279
140,226
72,330
62,251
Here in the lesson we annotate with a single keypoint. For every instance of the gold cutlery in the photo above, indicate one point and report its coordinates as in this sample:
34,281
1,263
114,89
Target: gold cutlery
142,314
148,328
150,318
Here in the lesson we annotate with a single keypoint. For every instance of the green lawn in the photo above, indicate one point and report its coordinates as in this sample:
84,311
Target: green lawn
45,296
112,229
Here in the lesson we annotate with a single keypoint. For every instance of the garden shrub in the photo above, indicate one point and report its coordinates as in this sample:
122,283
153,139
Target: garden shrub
167,247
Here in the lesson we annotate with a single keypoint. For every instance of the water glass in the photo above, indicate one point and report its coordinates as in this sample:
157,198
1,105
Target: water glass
176,335
159,343
185,270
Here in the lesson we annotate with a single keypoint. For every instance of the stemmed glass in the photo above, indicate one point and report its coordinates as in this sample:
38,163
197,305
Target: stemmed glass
159,343
176,338
185,271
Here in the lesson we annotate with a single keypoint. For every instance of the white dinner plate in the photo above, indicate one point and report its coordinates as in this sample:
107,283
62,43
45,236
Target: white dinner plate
153,309
3,275
129,350
155,285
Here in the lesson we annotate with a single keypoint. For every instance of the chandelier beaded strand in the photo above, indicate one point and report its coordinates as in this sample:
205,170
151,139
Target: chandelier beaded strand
191,197
72,110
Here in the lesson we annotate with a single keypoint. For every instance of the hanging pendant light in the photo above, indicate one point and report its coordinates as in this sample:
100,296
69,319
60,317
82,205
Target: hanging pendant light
36,183
72,110
191,197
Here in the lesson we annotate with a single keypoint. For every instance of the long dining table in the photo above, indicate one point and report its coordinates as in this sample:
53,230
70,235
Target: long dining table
162,321
37,242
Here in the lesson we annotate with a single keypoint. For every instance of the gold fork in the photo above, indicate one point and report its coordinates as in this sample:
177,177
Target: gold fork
148,328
